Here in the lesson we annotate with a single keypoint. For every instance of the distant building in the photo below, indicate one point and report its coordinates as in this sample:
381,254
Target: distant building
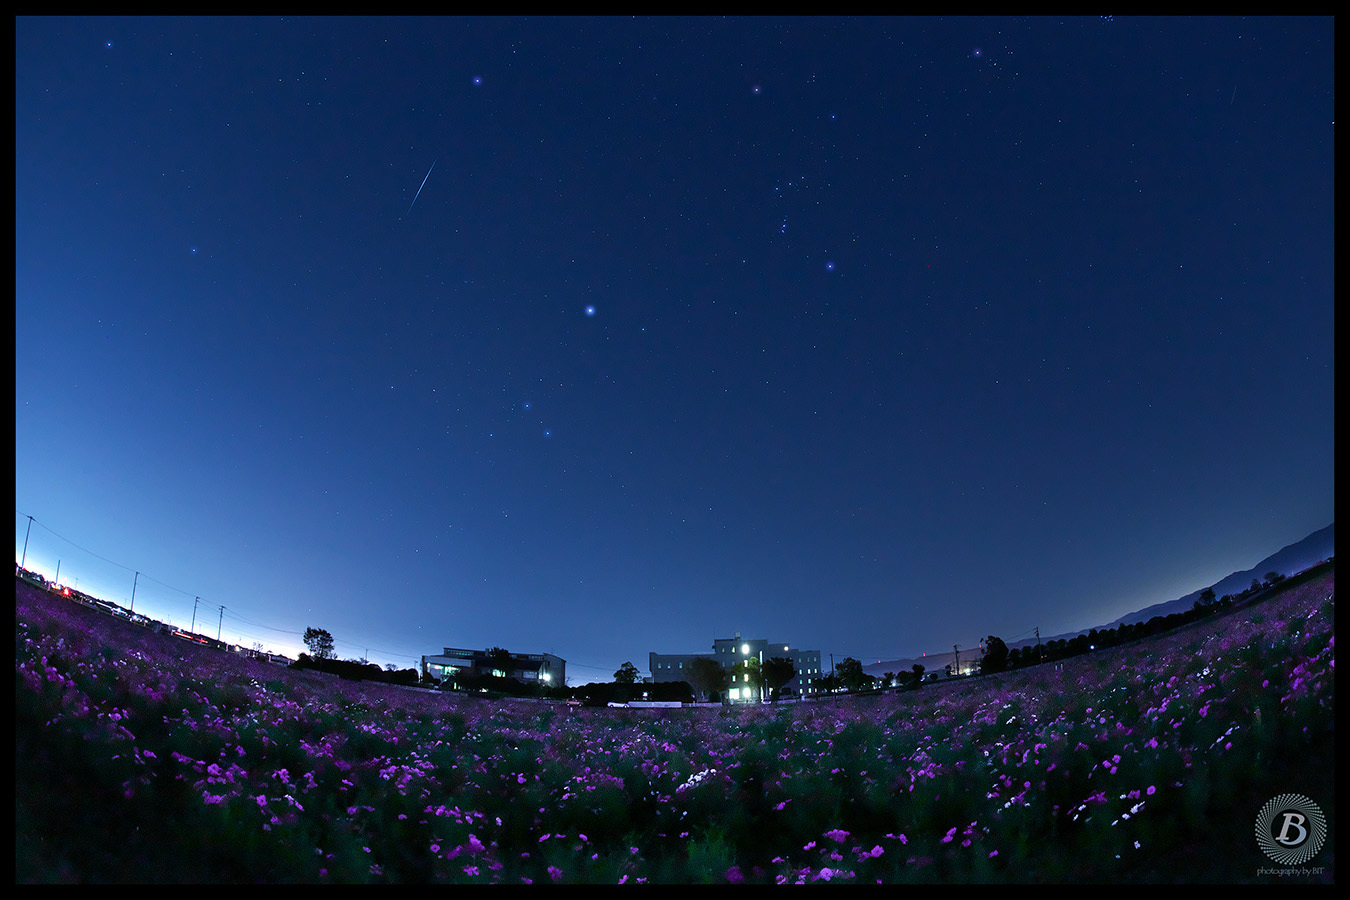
530,668
727,652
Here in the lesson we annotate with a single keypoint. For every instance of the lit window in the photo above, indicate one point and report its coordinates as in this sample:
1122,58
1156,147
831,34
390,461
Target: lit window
745,649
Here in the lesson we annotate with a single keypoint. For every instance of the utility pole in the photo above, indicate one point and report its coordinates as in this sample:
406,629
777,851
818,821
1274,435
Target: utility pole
24,558
57,580
194,614
133,591
1038,643
956,661
222,618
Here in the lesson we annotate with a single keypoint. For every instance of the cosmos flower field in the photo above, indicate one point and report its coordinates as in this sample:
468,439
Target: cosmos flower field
141,758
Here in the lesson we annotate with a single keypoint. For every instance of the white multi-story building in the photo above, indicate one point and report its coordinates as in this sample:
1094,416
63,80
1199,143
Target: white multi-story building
728,652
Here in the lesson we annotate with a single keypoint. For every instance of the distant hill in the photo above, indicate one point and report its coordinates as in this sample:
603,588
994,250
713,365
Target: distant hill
1313,549
1291,560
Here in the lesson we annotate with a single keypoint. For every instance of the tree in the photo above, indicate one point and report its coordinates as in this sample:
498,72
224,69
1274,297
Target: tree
500,661
918,674
627,674
995,655
320,643
851,674
707,677
887,679
746,674
778,671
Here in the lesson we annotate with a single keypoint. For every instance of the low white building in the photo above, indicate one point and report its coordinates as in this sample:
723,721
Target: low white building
541,668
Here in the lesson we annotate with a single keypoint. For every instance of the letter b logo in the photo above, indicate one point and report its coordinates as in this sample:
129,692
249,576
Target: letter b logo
1295,821
1291,829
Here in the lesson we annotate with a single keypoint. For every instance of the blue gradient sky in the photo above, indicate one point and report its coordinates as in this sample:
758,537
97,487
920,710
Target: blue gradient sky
871,336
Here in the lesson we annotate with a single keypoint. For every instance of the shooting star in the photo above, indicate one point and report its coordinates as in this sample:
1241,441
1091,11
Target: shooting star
422,185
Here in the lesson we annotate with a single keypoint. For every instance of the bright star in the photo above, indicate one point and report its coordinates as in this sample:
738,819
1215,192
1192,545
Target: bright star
590,310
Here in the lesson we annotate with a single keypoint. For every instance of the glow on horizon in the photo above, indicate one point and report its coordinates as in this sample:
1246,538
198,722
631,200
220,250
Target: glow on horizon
100,587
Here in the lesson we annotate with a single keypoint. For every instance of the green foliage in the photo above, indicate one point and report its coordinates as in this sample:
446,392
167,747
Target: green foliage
778,671
995,655
319,642
707,677
500,660
851,675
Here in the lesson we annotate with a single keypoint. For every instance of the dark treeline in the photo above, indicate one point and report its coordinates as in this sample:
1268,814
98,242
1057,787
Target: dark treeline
355,670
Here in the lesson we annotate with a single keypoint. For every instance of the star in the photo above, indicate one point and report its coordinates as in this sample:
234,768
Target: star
590,310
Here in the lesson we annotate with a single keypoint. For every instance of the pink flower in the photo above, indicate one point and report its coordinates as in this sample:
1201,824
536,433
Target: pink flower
837,835
734,875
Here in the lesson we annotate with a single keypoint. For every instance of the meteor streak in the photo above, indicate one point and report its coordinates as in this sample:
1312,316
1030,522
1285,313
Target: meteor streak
422,185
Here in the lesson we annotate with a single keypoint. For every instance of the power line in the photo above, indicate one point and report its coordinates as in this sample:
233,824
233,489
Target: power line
77,546
234,616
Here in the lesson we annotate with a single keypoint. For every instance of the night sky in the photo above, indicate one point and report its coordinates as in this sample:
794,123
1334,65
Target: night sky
607,336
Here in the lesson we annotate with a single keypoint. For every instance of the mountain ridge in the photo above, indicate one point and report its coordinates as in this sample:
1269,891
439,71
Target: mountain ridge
1288,560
